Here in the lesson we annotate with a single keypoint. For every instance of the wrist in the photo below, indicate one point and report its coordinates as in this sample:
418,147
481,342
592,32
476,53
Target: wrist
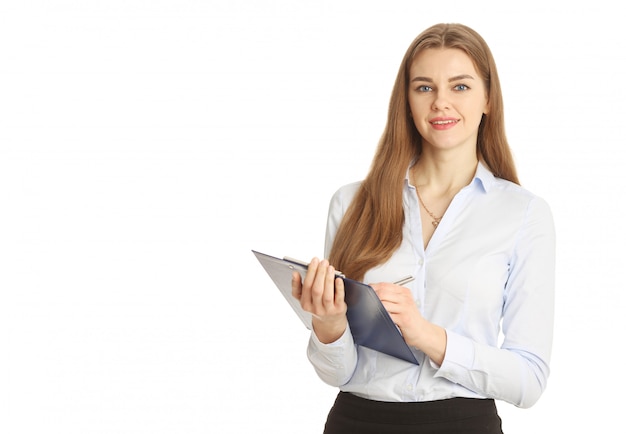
329,330
431,340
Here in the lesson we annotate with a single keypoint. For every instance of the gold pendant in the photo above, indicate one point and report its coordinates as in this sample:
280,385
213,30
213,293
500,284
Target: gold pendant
435,223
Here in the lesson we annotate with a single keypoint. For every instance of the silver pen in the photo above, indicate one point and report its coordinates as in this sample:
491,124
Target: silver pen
404,280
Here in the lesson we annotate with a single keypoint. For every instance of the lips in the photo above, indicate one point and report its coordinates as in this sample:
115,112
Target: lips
443,123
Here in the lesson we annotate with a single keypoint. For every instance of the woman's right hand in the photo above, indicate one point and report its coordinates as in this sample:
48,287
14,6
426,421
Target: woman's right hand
322,294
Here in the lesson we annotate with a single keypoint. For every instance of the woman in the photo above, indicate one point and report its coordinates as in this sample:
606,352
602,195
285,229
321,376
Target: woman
441,202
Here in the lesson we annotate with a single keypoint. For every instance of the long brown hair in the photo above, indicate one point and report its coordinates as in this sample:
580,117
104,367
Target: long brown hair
371,229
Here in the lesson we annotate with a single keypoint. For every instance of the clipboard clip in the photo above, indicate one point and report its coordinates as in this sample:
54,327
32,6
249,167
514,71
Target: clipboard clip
306,265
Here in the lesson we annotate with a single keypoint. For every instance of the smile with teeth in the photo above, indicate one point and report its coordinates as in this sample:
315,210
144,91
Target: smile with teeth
449,121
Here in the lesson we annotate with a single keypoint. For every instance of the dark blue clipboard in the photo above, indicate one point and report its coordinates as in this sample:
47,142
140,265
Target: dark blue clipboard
370,323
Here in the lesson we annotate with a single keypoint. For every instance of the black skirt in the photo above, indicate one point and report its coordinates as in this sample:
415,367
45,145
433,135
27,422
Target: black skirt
351,414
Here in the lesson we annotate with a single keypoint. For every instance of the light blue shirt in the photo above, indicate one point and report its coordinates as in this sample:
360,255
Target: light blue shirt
486,276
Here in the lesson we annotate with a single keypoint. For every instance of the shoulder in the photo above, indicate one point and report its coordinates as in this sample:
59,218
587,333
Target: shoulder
514,198
339,203
514,192
343,196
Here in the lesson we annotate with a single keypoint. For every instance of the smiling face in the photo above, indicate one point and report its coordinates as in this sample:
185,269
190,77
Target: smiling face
447,98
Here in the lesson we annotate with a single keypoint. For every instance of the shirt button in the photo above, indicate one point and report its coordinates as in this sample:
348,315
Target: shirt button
420,261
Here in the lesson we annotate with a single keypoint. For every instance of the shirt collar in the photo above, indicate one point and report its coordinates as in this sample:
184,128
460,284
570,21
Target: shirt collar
483,177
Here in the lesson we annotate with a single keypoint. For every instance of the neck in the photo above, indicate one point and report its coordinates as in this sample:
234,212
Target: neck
443,175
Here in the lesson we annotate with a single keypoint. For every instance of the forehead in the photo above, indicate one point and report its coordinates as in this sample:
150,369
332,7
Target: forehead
442,62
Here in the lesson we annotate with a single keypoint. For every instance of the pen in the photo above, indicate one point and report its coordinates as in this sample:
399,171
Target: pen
404,280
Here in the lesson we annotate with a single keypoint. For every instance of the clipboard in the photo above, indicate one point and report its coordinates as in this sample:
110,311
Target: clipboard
370,323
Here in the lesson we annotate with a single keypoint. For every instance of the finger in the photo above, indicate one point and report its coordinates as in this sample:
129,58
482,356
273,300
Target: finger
390,295
309,278
388,290
296,285
319,285
381,289
328,297
340,292
310,273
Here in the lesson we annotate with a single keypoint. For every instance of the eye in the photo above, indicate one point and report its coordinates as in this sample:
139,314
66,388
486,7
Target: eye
461,87
423,88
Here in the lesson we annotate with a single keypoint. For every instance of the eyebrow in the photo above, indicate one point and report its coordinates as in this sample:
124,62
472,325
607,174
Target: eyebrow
450,80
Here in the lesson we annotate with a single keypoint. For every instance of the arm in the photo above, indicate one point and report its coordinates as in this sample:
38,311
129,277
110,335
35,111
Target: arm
517,372
331,348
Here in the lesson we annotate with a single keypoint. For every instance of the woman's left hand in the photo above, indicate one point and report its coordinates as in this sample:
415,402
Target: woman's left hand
405,313
402,308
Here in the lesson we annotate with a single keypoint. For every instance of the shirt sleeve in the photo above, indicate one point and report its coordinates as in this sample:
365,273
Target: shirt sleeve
517,372
334,363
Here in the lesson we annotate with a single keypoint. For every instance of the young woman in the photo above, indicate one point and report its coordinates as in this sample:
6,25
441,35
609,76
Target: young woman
441,202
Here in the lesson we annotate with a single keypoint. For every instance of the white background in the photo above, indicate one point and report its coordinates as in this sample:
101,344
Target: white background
147,146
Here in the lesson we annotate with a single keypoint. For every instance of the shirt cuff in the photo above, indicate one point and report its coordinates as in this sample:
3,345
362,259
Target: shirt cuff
459,354
333,362
345,339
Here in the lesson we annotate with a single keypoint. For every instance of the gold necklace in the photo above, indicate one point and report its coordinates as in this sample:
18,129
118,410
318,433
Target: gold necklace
436,219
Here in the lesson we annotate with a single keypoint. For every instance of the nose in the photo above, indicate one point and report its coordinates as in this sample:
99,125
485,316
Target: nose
440,102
